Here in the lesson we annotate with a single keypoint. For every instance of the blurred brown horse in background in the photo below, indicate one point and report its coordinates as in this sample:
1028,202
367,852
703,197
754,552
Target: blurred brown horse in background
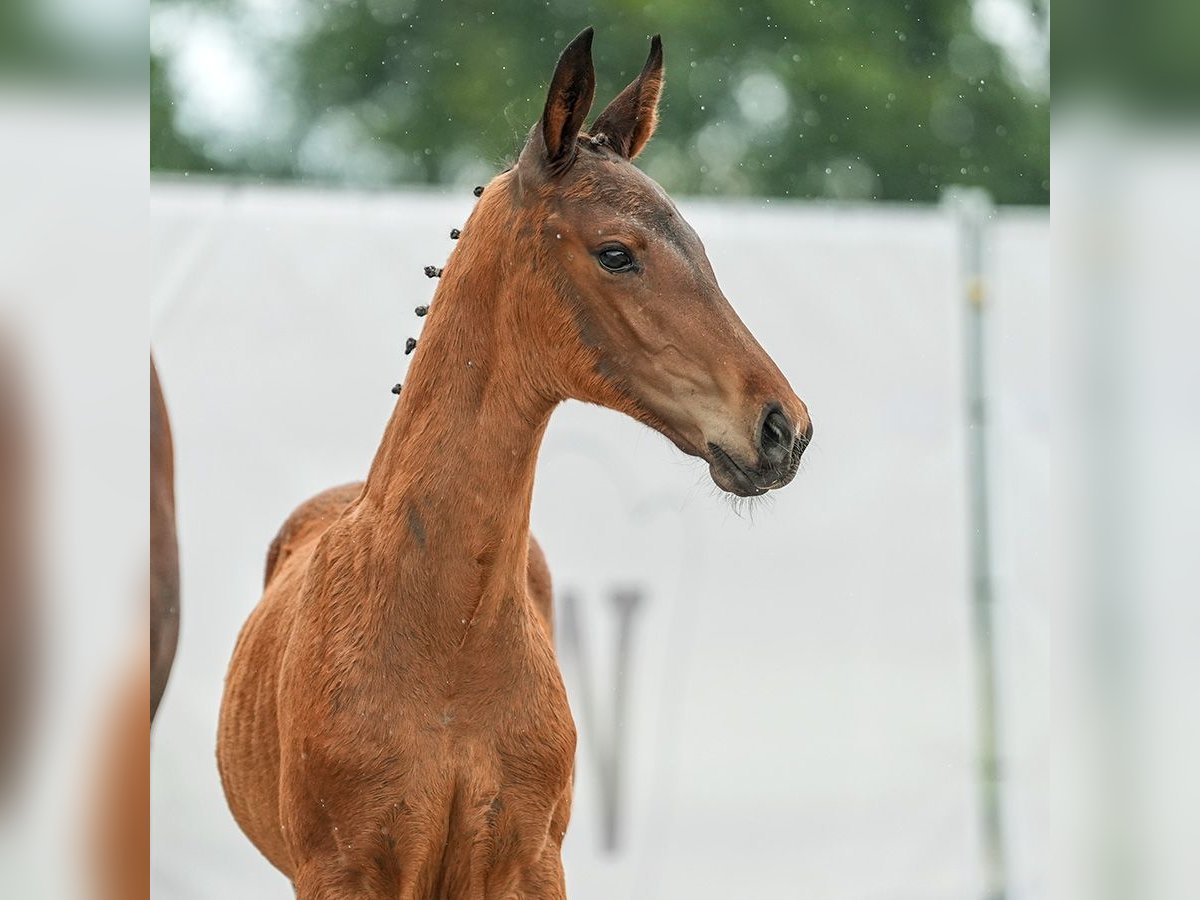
394,721
120,812
164,548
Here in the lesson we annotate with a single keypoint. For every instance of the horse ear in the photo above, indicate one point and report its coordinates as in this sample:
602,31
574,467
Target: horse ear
569,101
629,121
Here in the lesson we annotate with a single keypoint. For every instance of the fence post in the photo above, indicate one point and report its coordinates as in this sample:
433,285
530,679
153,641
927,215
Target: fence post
973,212
608,745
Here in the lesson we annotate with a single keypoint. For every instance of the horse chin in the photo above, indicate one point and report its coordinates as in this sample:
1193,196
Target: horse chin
729,476
724,470
664,427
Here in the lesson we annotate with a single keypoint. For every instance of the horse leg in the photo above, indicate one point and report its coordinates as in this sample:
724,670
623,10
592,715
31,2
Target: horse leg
322,880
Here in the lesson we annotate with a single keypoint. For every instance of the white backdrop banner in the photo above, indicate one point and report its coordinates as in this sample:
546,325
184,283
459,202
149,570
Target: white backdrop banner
772,704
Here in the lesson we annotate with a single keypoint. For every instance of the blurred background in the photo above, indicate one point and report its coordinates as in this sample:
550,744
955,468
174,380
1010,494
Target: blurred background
763,98
765,700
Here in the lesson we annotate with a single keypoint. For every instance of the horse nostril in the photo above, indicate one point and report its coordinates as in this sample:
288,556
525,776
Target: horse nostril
776,437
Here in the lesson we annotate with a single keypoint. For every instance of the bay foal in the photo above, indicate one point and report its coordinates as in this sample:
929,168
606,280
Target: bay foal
394,722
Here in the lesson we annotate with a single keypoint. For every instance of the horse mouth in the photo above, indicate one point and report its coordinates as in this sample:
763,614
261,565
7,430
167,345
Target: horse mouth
727,473
734,478
731,477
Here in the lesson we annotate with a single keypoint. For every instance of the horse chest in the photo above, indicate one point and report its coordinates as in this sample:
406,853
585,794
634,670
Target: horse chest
469,734
453,773
451,812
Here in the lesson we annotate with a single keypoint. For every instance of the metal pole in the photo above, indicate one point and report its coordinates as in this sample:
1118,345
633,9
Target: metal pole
607,745
626,603
973,210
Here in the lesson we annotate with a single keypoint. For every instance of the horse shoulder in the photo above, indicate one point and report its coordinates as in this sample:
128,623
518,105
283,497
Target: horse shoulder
308,520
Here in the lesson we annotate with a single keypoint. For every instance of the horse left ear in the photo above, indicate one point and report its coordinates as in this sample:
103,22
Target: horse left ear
629,121
568,102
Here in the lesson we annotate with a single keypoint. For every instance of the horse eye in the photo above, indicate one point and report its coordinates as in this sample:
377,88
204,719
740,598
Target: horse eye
615,259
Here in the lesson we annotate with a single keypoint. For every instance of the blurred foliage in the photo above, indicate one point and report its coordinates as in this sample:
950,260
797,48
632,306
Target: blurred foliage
60,44
858,99
1143,56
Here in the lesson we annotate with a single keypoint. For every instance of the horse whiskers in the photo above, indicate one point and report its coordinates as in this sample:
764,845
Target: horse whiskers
746,507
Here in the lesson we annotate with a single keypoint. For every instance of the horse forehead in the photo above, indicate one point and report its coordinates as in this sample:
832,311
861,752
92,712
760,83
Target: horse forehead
617,184
631,194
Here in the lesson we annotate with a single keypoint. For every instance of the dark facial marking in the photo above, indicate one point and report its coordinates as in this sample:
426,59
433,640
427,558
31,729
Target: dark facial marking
415,526
591,338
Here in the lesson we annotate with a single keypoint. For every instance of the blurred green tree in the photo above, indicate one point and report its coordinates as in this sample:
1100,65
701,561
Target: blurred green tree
857,99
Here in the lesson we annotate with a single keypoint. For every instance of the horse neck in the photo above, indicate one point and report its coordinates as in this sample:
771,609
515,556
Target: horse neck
453,476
